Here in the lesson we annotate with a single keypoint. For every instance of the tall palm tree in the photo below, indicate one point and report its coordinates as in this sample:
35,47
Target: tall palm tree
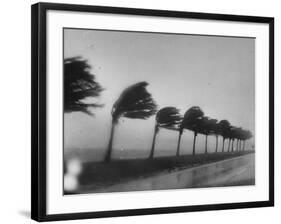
79,84
135,102
232,146
191,122
232,135
216,132
240,144
213,129
248,135
229,142
224,129
238,137
167,117
245,136
206,128
236,132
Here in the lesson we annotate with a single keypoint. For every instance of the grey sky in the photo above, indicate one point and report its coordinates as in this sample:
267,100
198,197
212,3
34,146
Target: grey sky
215,73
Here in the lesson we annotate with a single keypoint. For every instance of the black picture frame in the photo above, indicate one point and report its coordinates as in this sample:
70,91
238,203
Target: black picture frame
39,116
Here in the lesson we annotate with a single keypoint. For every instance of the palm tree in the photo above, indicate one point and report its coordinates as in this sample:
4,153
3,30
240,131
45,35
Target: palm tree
79,84
216,132
232,135
167,117
240,144
191,122
239,132
224,129
232,146
206,128
213,129
236,133
245,136
248,135
229,142
135,102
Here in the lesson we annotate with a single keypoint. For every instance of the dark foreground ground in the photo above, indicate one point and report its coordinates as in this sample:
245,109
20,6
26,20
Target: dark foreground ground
165,173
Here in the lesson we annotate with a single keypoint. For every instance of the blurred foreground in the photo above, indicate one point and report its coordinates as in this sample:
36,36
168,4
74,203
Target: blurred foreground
202,170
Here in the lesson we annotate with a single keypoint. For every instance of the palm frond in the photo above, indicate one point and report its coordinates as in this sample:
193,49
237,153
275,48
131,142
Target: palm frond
134,102
207,126
169,118
224,128
78,107
79,84
192,118
246,134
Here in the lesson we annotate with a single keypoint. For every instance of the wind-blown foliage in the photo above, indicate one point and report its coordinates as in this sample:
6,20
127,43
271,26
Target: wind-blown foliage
135,102
191,121
167,117
79,84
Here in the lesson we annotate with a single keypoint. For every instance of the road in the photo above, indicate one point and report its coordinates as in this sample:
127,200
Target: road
230,172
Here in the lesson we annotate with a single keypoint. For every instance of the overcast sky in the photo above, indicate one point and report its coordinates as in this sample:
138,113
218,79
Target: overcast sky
214,73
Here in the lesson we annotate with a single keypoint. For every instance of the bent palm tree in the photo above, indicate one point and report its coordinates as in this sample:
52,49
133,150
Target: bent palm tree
238,137
191,122
235,134
229,143
79,84
245,136
232,136
207,127
135,102
216,132
167,117
224,129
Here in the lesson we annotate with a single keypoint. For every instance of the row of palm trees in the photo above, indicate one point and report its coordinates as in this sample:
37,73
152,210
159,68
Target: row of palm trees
194,120
135,102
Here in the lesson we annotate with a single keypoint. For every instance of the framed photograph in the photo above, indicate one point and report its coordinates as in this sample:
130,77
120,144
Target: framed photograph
139,111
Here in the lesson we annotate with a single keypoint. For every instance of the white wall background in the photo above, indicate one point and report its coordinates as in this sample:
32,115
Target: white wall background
15,110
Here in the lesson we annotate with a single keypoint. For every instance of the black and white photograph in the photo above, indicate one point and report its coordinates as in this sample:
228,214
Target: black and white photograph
133,112
141,111
148,111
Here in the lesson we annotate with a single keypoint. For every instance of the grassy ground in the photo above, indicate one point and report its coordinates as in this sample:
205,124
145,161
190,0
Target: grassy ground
100,174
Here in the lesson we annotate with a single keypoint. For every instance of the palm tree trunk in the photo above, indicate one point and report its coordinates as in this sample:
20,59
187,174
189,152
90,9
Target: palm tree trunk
232,148
179,143
237,145
110,143
223,145
229,141
238,148
206,144
216,143
194,143
153,143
